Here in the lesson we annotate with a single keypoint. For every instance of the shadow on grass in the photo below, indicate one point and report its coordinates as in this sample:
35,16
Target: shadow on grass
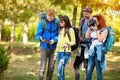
24,65
20,48
112,75
21,77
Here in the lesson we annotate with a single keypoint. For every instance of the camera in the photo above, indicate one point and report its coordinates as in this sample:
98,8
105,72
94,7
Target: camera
92,22
47,41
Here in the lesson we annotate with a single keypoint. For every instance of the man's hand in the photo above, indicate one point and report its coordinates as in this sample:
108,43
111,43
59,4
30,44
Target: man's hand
42,39
51,41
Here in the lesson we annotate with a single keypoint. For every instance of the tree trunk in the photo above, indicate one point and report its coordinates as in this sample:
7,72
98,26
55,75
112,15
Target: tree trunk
74,13
1,22
13,32
82,6
25,34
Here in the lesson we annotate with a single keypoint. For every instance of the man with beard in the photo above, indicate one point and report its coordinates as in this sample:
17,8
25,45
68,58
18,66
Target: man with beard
82,55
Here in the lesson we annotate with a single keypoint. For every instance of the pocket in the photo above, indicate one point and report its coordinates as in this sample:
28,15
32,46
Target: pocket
59,56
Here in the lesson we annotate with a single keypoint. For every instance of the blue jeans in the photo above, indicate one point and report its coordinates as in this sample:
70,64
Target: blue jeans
92,62
62,61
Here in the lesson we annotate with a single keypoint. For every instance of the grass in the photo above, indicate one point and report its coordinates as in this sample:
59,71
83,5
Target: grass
24,64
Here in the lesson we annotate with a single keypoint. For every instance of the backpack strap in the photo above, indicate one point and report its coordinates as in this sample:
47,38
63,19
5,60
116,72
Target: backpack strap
44,24
102,30
81,26
68,34
83,20
100,33
56,23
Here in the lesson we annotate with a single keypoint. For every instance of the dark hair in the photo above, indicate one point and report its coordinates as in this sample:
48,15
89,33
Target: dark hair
101,21
67,23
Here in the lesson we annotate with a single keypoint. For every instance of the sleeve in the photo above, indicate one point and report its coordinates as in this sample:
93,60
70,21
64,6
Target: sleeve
39,31
72,34
55,53
58,30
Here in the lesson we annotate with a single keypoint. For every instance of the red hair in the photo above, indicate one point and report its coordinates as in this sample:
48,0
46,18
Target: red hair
101,21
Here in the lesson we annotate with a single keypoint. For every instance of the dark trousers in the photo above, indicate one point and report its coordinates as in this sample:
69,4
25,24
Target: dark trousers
46,57
78,61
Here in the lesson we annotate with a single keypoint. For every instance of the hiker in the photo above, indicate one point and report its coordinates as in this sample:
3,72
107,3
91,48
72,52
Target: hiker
82,56
47,34
64,45
96,56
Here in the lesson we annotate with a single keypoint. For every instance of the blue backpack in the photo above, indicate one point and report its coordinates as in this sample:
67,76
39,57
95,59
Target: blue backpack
109,40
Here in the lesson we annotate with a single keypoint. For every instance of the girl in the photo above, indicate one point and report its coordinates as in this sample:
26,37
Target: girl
98,32
64,45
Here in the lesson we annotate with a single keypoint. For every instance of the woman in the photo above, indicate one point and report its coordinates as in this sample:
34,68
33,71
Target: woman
64,45
98,32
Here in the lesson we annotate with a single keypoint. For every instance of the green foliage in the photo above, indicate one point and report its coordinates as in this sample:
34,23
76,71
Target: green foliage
6,30
20,11
114,23
18,33
4,60
31,33
62,3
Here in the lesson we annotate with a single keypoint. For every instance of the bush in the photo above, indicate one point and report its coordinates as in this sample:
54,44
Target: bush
4,60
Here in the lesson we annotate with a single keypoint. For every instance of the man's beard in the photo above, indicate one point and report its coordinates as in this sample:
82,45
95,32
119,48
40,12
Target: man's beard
87,17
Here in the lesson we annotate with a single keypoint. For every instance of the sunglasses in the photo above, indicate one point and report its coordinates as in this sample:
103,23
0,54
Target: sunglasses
61,21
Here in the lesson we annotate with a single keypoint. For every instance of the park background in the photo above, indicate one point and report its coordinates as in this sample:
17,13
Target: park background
18,23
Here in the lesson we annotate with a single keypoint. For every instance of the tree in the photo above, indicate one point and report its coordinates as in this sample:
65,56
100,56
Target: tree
28,9
3,14
74,12
13,16
64,3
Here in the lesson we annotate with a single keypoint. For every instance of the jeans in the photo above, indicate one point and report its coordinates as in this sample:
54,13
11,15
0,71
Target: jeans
62,61
46,56
92,62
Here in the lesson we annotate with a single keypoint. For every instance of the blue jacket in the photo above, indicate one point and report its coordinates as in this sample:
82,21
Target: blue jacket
51,31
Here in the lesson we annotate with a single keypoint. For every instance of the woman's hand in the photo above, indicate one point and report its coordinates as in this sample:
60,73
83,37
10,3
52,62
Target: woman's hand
94,27
55,57
66,46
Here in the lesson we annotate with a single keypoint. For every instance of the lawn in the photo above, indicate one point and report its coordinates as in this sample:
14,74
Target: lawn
24,64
